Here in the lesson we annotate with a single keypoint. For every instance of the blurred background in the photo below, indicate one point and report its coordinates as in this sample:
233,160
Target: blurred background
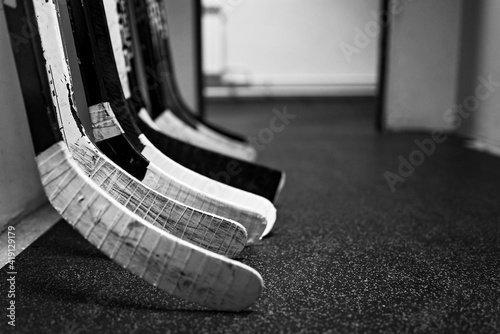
286,47
417,59
257,48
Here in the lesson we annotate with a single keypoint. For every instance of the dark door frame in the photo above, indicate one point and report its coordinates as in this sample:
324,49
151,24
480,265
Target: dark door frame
383,60
198,14
383,64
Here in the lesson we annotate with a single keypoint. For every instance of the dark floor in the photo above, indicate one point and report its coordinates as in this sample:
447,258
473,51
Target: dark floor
347,254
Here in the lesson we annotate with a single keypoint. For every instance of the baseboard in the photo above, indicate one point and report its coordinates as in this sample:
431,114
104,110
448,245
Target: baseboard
27,229
483,146
291,91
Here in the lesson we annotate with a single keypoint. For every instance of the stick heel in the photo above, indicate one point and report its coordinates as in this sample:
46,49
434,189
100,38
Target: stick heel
105,126
175,266
165,213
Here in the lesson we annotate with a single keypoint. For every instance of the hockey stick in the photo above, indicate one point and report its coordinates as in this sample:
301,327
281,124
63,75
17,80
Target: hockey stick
148,19
117,24
171,264
157,15
211,232
237,173
99,69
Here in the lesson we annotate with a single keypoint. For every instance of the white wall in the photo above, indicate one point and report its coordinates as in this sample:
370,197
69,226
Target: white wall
297,41
20,187
423,64
481,58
